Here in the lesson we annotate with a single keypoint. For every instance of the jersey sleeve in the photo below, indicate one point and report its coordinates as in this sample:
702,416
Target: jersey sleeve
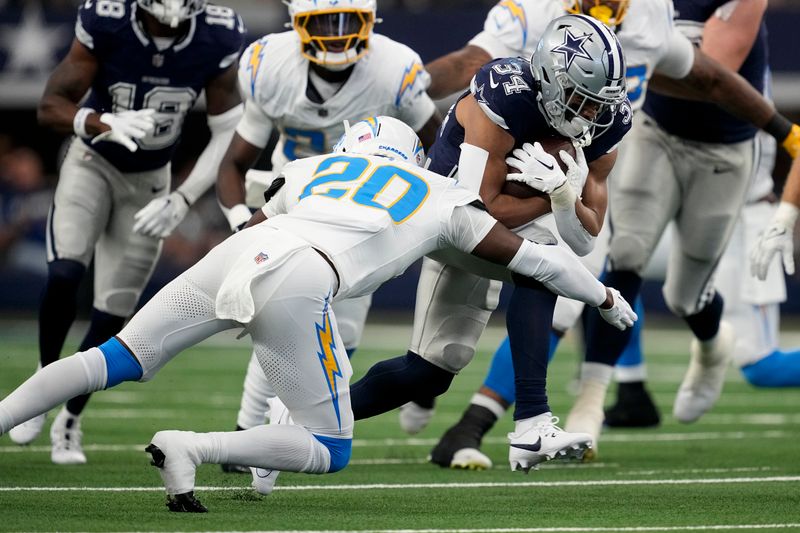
609,140
503,92
95,25
505,30
229,38
252,67
679,57
414,105
466,227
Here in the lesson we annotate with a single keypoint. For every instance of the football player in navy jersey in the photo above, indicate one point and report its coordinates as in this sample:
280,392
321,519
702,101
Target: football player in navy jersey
574,89
143,63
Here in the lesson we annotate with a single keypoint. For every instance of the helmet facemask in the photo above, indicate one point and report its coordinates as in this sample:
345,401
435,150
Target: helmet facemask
172,12
334,38
609,12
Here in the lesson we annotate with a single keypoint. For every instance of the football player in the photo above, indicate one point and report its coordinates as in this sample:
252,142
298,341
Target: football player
276,281
651,45
144,63
304,83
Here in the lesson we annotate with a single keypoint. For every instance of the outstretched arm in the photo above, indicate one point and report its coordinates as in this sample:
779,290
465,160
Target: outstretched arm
451,73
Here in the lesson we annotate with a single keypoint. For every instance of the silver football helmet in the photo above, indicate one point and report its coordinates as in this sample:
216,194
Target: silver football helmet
383,136
172,12
579,68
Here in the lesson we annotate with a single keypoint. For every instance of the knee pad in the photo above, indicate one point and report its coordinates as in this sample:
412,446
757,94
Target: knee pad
121,365
340,450
626,252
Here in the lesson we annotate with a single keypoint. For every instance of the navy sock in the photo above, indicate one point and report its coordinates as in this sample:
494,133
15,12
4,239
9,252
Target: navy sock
604,342
389,384
705,323
529,321
58,307
102,327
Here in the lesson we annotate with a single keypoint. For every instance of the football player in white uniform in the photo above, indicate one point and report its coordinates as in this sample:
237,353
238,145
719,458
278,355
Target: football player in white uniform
144,63
341,225
304,83
651,44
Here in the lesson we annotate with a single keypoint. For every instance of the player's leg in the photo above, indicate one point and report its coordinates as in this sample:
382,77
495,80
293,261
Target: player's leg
643,197
298,347
452,310
79,212
123,262
714,185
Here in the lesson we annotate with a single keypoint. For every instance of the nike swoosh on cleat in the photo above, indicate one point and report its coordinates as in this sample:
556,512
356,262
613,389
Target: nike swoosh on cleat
268,473
545,165
530,447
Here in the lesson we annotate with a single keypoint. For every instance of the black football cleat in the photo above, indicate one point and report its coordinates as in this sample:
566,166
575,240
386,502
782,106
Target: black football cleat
185,503
460,446
634,408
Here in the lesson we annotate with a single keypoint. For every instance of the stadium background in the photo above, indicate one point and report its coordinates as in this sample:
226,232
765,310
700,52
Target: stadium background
35,34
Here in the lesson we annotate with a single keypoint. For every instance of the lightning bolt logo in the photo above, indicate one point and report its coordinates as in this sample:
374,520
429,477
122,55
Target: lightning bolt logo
409,77
254,63
327,358
517,14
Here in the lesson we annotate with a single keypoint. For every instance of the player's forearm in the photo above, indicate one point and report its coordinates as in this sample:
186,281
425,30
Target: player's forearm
791,191
513,212
451,73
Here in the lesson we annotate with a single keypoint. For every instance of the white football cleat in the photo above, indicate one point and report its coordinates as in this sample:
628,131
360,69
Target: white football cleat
470,459
586,415
27,432
65,439
544,440
264,480
702,385
414,418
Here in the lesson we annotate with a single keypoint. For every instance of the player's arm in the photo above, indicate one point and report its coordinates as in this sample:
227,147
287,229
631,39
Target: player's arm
708,80
451,73
778,237
481,132
252,135
728,36
224,109
427,133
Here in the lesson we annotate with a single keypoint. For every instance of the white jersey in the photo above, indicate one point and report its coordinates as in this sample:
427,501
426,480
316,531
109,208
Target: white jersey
514,27
389,80
372,216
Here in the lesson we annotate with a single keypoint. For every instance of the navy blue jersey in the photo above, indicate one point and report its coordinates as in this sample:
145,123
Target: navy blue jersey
134,74
506,91
701,121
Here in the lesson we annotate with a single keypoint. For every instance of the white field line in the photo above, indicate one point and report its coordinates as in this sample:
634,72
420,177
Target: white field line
381,443
399,486
705,527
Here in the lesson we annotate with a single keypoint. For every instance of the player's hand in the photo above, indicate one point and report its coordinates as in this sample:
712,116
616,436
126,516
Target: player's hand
792,142
577,169
537,168
777,239
126,126
161,216
619,314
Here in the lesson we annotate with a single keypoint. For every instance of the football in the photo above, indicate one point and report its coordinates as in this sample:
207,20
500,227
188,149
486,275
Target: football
551,145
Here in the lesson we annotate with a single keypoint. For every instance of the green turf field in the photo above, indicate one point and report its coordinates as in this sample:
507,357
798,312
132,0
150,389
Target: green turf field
737,469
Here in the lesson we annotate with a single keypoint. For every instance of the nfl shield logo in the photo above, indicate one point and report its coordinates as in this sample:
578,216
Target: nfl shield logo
158,60
260,258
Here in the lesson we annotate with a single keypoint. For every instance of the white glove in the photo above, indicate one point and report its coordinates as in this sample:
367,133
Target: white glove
778,238
577,169
127,126
537,168
160,216
620,315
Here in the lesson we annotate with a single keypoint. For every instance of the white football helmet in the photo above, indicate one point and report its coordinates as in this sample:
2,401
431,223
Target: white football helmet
383,136
609,12
333,33
172,12
579,69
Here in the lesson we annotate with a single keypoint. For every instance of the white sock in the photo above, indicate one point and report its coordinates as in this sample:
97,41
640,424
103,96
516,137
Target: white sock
273,447
630,374
53,385
254,407
596,372
521,426
491,404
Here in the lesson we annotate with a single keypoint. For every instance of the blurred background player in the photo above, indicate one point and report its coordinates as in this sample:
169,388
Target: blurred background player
649,45
304,83
315,244
145,62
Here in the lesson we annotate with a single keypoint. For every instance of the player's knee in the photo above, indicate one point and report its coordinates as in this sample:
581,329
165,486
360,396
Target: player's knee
120,363
626,252
339,449
120,302
65,272
680,305
431,380
350,332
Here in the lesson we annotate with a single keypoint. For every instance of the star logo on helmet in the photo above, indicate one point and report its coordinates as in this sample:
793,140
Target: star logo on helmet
572,47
